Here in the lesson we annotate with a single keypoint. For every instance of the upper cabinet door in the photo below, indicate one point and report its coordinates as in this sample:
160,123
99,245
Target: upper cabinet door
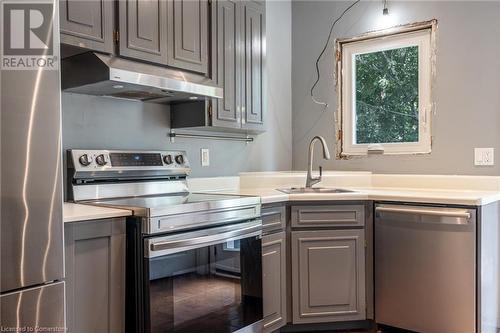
188,35
87,24
143,30
225,62
254,54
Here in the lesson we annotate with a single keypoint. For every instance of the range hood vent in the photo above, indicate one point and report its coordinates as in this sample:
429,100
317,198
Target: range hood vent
102,75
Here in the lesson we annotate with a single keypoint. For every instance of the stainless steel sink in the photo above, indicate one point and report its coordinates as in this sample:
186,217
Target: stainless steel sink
298,190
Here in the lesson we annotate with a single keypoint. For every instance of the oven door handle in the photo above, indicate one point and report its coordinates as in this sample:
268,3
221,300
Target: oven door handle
177,243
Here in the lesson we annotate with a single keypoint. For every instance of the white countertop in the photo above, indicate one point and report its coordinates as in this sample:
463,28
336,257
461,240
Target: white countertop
451,197
445,189
76,212
439,189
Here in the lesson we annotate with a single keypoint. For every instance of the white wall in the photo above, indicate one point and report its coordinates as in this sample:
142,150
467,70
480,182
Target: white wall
97,122
467,87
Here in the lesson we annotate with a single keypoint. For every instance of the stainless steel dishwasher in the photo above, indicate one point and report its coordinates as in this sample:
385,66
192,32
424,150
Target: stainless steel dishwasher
425,275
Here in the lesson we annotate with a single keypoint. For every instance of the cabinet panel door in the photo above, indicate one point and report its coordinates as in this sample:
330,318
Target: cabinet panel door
328,276
143,30
274,280
87,24
188,35
95,276
253,64
226,59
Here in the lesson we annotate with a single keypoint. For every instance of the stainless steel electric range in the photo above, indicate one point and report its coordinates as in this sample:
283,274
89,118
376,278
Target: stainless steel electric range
194,261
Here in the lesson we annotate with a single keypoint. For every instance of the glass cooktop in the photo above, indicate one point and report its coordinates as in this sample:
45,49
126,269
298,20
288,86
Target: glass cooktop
157,205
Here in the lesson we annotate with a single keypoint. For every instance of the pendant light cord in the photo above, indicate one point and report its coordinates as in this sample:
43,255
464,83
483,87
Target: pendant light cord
318,75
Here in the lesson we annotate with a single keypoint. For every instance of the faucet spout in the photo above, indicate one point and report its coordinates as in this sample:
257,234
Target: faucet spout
310,181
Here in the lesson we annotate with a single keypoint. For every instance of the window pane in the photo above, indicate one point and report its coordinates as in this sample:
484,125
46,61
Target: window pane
387,96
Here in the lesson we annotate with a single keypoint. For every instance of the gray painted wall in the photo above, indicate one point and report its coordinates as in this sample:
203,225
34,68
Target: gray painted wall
97,122
467,89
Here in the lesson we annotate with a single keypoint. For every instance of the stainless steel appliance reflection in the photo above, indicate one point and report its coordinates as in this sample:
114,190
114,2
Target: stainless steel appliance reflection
194,260
425,268
102,75
32,294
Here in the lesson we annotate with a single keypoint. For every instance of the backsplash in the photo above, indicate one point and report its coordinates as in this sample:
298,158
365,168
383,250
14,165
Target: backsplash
104,123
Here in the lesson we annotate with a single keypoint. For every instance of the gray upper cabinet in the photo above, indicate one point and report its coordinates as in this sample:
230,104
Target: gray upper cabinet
188,35
226,61
254,21
238,56
274,280
95,276
88,24
328,276
143,30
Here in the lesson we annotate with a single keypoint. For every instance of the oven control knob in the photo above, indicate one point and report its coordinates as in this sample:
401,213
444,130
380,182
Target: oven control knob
84,160
101,160
179,159
168,159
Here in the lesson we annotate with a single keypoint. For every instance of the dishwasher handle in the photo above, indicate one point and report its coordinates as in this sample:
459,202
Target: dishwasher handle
447,215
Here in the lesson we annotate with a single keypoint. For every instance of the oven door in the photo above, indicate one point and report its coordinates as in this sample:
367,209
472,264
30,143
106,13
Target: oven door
205,281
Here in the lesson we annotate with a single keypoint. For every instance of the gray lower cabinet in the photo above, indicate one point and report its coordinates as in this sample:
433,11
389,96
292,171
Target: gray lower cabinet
87,24
273,217
188,35
274,280
143,30
95,276
328,216
328,276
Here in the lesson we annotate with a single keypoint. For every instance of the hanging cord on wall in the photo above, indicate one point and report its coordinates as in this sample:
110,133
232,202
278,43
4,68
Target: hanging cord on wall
323,51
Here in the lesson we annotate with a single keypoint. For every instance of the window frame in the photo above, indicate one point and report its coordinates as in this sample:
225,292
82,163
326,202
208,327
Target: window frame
418,34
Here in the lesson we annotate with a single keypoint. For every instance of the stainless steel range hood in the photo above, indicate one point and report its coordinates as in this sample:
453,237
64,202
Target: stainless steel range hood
102,75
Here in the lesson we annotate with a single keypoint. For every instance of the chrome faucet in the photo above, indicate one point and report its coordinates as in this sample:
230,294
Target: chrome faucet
310,181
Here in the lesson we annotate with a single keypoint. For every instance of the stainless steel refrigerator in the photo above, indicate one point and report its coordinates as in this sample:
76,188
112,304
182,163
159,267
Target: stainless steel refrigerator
31,227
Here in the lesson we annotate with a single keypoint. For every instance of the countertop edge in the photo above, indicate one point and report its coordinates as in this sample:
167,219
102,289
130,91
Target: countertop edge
77,212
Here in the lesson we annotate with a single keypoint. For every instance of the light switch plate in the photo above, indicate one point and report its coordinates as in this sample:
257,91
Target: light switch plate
205,157
484,156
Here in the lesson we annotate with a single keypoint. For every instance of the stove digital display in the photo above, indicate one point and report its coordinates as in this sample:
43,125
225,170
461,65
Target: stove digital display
135,159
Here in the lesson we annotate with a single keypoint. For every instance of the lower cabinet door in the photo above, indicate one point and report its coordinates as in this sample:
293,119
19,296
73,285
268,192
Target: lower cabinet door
95,276
328,276
274,280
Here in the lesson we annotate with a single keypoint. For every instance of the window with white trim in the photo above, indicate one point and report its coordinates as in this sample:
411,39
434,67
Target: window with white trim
385,92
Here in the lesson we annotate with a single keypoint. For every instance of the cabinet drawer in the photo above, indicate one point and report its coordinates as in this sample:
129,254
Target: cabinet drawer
273,218
328,216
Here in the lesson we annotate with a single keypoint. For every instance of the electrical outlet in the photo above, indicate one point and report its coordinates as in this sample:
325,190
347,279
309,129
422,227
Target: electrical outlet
205,157
484,156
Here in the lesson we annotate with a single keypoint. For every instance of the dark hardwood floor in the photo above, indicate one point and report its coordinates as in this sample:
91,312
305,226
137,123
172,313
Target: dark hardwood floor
353,331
